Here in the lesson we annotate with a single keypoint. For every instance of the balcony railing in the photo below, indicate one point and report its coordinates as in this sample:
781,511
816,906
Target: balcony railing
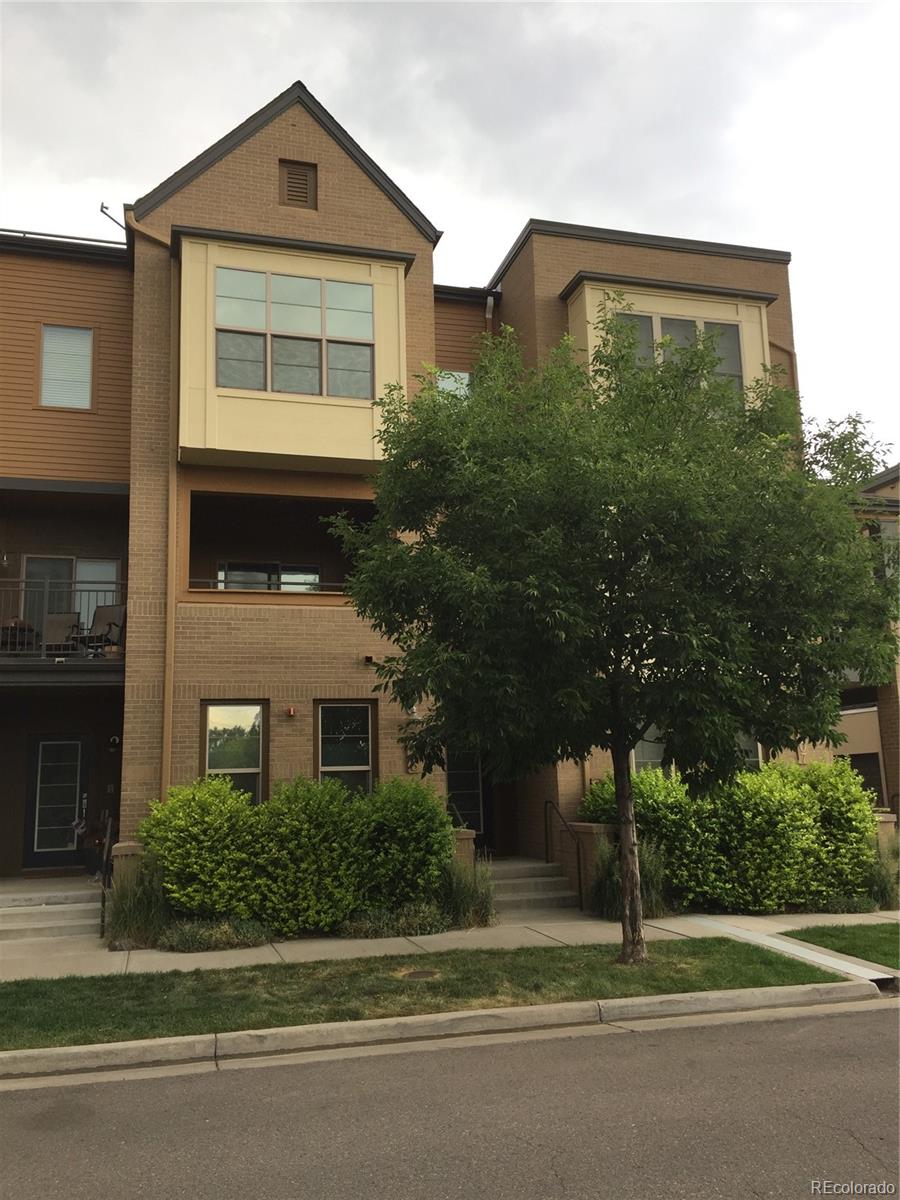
56,620
318,587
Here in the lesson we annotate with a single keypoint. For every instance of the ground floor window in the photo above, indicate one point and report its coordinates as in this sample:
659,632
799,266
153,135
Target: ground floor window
234,743
346,743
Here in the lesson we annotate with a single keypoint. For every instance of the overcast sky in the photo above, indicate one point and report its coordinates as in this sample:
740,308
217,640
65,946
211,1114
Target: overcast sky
769,124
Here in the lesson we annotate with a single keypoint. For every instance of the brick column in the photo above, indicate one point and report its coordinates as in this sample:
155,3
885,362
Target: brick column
148,533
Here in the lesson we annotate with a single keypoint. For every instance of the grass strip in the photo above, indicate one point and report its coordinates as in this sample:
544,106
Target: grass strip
78,1010
879,944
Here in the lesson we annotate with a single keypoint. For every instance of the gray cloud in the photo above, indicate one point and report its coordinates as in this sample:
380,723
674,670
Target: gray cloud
734,122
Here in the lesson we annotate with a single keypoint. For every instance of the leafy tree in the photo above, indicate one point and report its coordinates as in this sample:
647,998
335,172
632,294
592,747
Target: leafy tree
565,556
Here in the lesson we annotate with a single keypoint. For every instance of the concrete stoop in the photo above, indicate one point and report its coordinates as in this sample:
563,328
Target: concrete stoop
525,884
36,912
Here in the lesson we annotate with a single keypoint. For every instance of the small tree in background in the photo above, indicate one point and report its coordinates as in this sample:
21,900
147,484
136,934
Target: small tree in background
565,557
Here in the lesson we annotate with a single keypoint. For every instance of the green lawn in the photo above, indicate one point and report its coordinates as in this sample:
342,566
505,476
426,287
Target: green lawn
77,1010
875,943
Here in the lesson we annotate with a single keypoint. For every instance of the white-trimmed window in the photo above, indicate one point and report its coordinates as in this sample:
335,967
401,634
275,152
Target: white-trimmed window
346,743
455,382
289,333
683,332
649,751
67,355
234,734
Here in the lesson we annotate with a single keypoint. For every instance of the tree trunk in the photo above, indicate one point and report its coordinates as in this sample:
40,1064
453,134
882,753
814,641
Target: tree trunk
633,948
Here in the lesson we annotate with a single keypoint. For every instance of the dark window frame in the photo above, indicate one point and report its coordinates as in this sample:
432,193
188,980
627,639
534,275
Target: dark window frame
223,702
323,339
343,702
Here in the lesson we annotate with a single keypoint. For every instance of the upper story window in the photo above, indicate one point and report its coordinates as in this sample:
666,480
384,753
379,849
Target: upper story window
66,366
682,332
288,333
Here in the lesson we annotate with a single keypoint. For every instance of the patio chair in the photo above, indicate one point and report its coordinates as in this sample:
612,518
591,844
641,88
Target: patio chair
60,632
106,629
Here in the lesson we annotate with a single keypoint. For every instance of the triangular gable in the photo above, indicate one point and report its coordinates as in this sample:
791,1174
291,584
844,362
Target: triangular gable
295,94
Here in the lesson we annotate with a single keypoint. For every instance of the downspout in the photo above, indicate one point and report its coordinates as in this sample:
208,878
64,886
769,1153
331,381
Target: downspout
489,315
165,767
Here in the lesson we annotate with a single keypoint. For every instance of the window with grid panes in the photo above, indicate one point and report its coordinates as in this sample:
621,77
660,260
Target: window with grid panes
289,333
682,331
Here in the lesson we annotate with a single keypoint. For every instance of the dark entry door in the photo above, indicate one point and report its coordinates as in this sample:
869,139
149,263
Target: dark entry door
470,794
57,801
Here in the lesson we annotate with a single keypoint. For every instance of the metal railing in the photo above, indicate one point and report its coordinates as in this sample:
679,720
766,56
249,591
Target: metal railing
54,619
290,589
548,804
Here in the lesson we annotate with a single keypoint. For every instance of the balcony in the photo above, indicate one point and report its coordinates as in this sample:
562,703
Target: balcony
75,631
267,549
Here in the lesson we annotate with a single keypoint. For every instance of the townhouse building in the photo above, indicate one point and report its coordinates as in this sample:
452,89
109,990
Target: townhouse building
180,411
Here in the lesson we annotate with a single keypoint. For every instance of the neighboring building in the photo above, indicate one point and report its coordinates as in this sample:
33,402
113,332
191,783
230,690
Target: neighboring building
870,716
179,412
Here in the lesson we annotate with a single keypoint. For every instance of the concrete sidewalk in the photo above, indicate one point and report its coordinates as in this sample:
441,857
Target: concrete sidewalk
49,958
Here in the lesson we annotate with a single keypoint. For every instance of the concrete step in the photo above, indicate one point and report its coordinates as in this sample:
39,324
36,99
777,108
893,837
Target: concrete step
524,869
536,900
530,885
43,914
78,894
49,928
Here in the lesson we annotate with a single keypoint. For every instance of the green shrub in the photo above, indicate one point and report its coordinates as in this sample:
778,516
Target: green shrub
787,836
607,890
311,856
409,842
467,896
225,934
304,861
884,880
138,909
204,837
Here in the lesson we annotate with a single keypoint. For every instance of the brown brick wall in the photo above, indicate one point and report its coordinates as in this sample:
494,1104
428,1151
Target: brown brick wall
240,194
212,650
151,453
558,259
290,656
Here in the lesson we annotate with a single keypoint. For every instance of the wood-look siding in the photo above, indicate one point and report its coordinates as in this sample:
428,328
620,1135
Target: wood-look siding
53,443
457,323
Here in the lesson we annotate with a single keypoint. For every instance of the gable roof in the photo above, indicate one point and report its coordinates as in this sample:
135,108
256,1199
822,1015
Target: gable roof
295,94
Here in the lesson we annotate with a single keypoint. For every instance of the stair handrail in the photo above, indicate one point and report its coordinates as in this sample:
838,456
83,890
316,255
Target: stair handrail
548,804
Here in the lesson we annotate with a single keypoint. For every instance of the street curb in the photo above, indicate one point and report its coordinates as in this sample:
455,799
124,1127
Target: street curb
250,1043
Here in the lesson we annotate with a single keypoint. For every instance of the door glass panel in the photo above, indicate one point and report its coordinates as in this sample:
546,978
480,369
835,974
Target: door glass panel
50,580
464,787
95,584
58,792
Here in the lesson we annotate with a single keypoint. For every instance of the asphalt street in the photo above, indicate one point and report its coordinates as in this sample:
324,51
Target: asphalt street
755,1109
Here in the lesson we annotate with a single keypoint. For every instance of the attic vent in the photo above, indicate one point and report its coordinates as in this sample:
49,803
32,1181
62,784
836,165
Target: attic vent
297,184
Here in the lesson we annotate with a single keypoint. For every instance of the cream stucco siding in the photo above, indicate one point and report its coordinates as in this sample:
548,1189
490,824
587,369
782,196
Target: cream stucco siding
585,304
270,426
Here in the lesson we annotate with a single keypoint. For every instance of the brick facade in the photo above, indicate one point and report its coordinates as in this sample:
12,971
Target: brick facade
288,650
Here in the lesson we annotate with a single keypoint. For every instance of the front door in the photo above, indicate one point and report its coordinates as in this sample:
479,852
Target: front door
57,801
469,794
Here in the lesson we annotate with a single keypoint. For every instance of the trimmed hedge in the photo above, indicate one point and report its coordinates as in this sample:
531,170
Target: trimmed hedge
787,836
304,861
